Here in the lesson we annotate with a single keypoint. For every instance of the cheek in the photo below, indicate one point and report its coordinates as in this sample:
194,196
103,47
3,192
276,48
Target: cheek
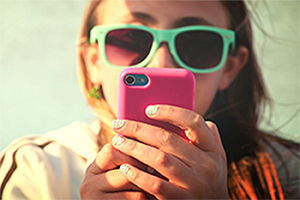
110,87
206,87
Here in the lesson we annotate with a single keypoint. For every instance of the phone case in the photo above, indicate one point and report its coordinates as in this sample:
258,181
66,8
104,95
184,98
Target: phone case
171,86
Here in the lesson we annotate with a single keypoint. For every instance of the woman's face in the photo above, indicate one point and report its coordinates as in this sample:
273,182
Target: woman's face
163,15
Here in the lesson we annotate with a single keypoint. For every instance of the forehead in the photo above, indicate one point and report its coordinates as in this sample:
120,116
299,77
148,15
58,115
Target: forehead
163,14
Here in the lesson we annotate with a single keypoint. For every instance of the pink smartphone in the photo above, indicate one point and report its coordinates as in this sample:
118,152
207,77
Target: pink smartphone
141,87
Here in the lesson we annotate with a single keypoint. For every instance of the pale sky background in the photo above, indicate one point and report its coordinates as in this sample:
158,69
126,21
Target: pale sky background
38,82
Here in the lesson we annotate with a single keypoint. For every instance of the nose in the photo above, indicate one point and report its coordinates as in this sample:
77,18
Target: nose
162,58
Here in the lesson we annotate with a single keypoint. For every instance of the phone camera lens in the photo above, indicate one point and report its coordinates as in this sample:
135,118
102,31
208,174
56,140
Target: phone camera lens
130,80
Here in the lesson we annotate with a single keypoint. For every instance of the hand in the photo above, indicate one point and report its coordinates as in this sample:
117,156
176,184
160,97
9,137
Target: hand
194,169
104,181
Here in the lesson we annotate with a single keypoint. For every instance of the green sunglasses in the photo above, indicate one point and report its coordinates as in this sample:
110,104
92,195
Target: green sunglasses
200,49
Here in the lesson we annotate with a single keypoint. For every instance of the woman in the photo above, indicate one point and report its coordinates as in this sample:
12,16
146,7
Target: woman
229,158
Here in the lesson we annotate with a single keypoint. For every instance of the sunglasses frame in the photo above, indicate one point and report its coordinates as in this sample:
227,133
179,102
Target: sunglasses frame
99,33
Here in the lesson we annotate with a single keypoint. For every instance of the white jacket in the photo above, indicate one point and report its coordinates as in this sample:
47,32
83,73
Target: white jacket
49,166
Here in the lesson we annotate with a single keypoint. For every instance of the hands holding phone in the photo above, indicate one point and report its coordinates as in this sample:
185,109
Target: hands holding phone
192,169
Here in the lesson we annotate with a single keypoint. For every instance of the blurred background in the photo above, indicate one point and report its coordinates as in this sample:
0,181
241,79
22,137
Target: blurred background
38,82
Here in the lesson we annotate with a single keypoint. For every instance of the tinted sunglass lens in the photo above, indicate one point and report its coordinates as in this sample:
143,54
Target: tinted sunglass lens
199,49
127,47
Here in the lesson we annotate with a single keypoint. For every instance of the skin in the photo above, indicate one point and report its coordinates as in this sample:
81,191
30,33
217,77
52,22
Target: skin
184,169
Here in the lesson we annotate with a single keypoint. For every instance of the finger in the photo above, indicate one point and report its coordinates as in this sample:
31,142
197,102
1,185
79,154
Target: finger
110,181
124,195
160,138
214,129
110,158
192,123
116,195
166,164
159,188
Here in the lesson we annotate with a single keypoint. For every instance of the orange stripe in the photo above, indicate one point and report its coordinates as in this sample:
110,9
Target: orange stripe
274,172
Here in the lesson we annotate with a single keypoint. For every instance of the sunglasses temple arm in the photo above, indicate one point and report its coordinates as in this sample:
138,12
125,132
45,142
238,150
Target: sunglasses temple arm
93,35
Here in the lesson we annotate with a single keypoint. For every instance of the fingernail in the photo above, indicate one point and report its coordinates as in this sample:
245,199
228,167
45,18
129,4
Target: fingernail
117,124
117,140
124,168
151,110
